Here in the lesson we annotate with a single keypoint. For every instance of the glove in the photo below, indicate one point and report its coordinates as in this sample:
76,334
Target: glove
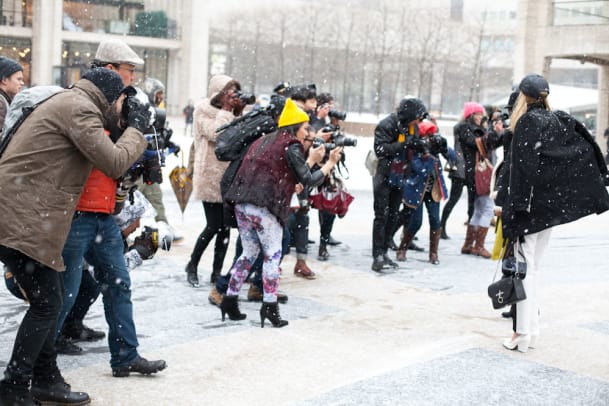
147,243
139,115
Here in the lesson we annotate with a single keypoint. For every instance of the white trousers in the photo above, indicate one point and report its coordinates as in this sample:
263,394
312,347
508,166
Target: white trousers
527,311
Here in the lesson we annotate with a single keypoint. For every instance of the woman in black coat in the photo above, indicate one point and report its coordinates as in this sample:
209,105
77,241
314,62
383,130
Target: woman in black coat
555,176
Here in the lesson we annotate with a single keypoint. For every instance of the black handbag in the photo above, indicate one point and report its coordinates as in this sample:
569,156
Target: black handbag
509,289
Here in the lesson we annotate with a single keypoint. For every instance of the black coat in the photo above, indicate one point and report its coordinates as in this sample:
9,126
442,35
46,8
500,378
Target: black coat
467,132
555,176
386,144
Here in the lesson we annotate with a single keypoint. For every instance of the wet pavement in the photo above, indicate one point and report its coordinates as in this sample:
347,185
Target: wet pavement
422,335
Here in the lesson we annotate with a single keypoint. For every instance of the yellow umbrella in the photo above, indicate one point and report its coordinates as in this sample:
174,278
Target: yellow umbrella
181,182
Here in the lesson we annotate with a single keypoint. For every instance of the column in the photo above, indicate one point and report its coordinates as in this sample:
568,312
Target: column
602,112
46,40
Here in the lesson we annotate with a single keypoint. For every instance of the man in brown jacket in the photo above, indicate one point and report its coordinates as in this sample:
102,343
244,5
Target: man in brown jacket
42,173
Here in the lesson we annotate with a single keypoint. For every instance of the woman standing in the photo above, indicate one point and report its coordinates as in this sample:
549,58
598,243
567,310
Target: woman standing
555,176
261,193
221,107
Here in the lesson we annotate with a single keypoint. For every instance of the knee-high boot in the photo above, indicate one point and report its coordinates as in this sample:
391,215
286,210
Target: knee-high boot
400,254
478,248
434,242
470,237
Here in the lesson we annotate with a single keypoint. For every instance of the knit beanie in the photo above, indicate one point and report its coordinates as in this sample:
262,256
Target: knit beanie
470,108
292,114
410,109
106,80
8,67
427,128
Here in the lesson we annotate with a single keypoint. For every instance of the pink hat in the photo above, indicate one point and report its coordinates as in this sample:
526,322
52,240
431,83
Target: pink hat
427,128
470,108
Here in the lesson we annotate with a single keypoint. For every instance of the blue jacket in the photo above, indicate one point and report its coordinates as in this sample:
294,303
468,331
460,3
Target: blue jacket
423,170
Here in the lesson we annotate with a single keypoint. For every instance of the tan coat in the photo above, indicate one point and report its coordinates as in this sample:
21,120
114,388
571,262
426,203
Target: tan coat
208,170
46,164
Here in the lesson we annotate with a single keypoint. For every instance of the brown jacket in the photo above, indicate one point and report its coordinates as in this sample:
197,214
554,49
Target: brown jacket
46,164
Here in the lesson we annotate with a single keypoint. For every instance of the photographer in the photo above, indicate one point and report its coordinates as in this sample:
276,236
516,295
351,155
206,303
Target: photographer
222,106
425,185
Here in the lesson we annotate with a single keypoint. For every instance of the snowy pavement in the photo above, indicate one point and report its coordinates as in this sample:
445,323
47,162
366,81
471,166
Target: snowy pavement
422,335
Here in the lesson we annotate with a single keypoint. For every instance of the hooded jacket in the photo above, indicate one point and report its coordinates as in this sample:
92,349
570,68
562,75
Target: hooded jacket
554,173
208,170
46,164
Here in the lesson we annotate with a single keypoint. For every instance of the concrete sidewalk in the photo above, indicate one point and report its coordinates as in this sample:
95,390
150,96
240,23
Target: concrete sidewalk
424,335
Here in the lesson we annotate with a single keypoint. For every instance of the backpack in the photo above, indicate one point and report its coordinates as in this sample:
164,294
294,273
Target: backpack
22,106
240,133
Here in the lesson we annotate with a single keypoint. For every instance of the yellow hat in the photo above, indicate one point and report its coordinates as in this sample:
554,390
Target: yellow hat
292,114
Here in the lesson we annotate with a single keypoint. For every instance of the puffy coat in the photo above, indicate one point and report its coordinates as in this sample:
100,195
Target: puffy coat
208,170
46,164
554,173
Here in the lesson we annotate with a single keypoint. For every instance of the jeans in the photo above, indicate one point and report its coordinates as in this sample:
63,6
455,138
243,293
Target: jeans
34,354
433,213
87,295
97,236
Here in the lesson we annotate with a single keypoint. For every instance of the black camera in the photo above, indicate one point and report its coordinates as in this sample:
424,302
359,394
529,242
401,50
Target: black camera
339,115
434,145
338,138
246,98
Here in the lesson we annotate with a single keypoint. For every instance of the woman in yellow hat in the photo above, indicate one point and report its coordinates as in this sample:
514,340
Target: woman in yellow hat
260,194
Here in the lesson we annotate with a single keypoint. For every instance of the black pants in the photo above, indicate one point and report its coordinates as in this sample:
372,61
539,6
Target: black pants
456,189
298,223
326,222
34,355
214,215
386,205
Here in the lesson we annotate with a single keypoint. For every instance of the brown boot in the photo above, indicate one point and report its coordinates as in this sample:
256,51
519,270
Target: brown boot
470,237
434,241
478,248
400,254
301,269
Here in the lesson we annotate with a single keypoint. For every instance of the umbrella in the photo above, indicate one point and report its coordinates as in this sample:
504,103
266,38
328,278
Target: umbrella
181,182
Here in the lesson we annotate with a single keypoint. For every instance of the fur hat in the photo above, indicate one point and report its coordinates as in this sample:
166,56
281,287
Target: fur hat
8,67
535,86
116,51
106,80
410,109
470,108
292,114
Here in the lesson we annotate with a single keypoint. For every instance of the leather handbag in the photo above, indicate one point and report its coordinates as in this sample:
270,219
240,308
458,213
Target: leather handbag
509,289
484,170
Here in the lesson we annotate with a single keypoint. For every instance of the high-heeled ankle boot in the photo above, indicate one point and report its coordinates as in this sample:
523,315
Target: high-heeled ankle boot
230,306
191,275
271,311
521,343
301,269
323,253
400,254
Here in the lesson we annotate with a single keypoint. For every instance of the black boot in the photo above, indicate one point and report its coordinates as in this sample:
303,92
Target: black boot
15,395
140,365
66,346
57,393
443,235
230,306
323,254
214,276
77,331
271,311
191,275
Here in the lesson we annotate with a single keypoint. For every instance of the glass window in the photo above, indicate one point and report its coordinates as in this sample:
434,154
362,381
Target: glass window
19,49
16,13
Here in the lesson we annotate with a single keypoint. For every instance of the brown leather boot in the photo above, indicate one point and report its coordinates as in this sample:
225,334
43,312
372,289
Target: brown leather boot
478,248
301,269
400,254
470,237
434,241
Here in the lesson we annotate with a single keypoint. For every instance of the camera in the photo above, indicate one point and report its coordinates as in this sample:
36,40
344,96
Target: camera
338,138
246,98
135,98
339,115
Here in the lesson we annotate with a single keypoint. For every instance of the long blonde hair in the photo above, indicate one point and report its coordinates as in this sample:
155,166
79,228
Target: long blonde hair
522,103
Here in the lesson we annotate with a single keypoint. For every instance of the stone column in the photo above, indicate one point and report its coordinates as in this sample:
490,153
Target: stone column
602,112
46,40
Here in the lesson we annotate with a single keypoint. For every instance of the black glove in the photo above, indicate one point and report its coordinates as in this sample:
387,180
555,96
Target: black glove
147,243
139,114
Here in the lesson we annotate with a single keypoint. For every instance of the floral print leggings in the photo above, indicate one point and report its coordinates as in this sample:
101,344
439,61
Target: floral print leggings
258,228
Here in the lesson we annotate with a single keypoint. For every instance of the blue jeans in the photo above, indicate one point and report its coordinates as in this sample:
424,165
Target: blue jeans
433,213
97,237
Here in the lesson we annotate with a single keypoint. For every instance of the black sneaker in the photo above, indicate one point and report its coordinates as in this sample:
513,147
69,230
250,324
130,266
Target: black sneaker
140,365
333,242
388,262
65,346
82,333
378,263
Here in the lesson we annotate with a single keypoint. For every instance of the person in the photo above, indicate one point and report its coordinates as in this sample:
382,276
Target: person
188,112
155,90
393,136
474,140
221,106
456,173
425,185
47,163
11,82
555,177
94,234
606,135
261,193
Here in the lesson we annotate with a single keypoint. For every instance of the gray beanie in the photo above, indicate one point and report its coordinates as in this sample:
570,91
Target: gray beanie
8,67
106,80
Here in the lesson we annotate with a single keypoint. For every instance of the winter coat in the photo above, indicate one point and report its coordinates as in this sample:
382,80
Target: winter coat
5,101
386,144
424,171
46,164
459,172
467,133
208,170
554,173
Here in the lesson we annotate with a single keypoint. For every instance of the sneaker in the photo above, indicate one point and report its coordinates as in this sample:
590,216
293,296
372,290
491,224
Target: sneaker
378,263
78,333
215,297
388,262
333,242
140,365
65,346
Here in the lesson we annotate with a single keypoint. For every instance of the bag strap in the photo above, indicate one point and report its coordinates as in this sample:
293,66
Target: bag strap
518,250
481,148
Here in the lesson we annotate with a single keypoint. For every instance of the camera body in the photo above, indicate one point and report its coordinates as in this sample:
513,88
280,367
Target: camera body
338,138
339,115
434,145
246,98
